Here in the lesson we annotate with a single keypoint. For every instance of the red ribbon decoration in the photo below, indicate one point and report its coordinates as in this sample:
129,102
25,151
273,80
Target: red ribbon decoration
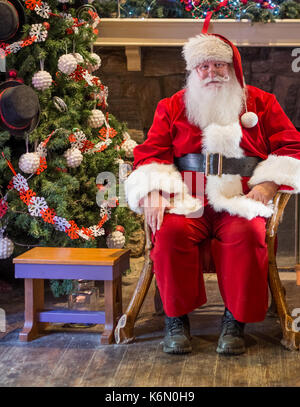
209,15
9,164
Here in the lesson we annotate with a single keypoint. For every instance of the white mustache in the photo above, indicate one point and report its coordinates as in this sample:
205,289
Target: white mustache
216,79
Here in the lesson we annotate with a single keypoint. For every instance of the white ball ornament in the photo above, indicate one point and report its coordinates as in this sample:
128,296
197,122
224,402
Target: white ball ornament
78,57
42,80
67,64
73,157
96,119
29,162
249,120
115,240
6,248
91,67
128,147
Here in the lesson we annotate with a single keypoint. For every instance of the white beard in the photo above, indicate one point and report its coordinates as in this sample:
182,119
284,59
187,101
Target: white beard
206,105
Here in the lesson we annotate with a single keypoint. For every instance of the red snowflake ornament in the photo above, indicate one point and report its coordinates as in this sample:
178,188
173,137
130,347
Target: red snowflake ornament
42,167
3,208
48,215
72,231
26,196
31,4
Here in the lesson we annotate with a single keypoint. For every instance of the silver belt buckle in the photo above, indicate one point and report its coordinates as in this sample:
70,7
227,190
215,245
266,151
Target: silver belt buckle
207,165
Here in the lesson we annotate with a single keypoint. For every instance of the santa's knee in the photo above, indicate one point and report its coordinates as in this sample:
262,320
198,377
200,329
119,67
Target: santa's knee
174,232
252,233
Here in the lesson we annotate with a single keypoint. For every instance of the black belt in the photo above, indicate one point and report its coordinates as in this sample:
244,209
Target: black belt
216,164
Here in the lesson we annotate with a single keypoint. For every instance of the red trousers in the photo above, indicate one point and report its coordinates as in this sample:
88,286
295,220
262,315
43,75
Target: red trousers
240,256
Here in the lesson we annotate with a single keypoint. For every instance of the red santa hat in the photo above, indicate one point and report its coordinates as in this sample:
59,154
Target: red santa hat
215,47
212,47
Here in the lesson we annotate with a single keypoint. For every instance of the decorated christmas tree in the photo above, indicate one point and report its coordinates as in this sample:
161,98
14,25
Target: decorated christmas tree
51,193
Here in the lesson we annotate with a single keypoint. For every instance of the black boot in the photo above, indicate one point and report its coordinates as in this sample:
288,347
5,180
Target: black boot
177,339
231,341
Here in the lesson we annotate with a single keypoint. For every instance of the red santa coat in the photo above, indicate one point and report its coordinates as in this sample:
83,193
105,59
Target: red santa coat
274,139
242,279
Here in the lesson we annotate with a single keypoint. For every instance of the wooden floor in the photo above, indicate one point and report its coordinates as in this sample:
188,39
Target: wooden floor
76,358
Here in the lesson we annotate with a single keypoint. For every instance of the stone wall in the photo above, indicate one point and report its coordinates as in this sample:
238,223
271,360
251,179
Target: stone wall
133,97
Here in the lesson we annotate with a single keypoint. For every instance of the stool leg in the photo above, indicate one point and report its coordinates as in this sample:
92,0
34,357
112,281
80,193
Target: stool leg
34,302
112,309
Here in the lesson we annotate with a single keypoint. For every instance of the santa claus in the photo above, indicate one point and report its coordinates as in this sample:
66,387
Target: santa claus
246,146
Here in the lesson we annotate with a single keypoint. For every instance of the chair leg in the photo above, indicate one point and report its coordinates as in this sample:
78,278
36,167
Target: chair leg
291,338
124,332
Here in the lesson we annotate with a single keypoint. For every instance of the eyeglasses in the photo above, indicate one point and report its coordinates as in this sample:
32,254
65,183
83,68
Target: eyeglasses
206,65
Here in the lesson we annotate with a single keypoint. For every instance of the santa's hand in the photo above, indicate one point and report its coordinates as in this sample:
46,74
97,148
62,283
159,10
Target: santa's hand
263,192
154,205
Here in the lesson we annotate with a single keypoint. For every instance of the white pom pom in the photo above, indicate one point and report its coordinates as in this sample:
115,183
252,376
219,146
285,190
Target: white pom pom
96,119
67,64
128,146
115,240
73,157
249,119
78,57
29,162
6,248
42,80
91,67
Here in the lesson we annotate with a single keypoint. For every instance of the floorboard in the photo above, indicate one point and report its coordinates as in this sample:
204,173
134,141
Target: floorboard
75,358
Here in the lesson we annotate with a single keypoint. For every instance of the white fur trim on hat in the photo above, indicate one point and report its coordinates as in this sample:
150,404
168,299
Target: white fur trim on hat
225,193
162,177
282,170
205,47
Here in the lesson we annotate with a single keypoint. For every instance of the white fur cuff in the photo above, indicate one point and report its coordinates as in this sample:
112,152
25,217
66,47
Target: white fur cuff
226,193
162,177
282,170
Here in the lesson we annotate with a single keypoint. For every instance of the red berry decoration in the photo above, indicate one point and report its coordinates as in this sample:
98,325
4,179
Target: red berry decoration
120,228
12,73
46,25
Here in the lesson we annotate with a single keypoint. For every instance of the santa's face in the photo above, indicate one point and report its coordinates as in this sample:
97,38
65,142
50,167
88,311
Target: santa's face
213,73
213,94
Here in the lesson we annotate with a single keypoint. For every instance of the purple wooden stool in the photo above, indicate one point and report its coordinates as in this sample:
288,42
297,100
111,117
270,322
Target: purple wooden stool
42,263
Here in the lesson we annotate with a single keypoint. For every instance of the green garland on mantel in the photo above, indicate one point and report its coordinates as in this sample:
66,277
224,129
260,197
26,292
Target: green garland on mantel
255,11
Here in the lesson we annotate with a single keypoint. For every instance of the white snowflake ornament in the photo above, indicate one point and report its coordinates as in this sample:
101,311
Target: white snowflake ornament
128,146
80,139
44,10
61,224
20,183
6,248
115,240
96,231
96,119
38,204
67,64
38,31
73,157
93,66
42,80
29,162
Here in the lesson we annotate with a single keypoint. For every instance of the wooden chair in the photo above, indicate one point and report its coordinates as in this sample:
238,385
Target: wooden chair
124,332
